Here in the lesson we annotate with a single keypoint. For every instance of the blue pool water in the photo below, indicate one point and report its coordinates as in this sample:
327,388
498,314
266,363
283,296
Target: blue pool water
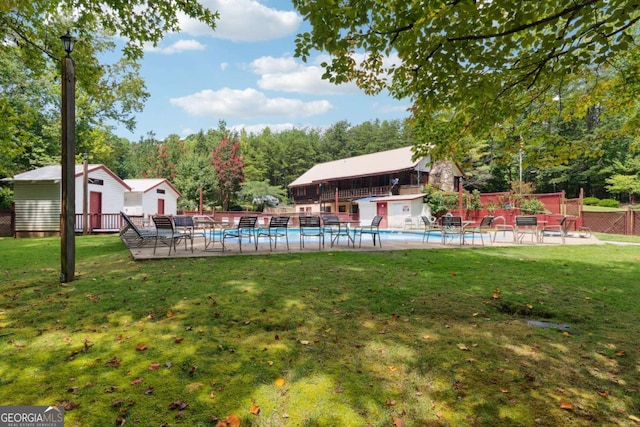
385,235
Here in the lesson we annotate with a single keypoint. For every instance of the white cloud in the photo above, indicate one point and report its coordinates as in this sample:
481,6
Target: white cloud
187,131
285,74
247,103
244,20
224,66
177,47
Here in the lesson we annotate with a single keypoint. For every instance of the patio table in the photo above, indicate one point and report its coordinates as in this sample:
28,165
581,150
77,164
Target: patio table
210,226
345,230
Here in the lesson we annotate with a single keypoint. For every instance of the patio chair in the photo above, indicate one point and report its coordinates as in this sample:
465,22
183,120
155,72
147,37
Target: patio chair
485,227
245,228
331,224
310,227
566,224
373,229
185,224
167,234
525,224
278,226
451,226
430,225
130,231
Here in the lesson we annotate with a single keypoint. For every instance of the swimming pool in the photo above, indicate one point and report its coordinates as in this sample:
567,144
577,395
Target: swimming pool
396,235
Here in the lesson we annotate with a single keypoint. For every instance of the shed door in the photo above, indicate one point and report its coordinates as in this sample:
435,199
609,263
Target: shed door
95,209
382,211
160,207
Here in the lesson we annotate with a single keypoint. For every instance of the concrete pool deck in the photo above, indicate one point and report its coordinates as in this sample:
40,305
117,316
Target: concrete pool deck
311,245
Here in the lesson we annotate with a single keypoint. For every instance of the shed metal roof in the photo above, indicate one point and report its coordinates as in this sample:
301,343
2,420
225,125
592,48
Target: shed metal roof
366,165
54,173
148,184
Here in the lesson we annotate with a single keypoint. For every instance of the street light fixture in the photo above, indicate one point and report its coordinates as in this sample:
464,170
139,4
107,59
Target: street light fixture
68,206
67,43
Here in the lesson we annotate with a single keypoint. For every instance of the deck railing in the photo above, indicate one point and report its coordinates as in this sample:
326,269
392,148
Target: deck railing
102,222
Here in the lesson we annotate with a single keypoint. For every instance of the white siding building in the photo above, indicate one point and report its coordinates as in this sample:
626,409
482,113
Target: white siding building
148,197
37,197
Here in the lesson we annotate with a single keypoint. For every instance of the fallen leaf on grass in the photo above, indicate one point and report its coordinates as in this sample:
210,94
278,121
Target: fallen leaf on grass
280,382
567,406
398,422
463,347
136,381
153,366
621,353
148,391
255,409
141,347
178,404
390,402
602,393
496,294
392,368
231,421
634,418
68,406
113,362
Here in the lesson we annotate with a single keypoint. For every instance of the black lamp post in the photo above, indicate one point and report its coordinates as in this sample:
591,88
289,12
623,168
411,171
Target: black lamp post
68,214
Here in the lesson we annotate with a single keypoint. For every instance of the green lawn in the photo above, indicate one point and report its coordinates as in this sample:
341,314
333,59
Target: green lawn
413,338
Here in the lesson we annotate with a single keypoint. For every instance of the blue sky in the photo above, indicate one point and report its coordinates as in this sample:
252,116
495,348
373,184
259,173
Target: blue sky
244,73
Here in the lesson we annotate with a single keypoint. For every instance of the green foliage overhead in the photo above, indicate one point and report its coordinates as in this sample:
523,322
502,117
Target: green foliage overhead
136,21
465,65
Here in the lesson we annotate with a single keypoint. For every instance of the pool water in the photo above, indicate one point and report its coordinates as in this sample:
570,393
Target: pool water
395,235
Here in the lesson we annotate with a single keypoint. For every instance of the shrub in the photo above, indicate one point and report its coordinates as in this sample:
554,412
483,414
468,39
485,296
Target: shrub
472,200
591,201
532,206
609,203
435,200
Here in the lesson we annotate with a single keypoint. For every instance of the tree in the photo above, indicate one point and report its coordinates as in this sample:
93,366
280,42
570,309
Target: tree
624,184
105,91
31,24
227,162
479,62
261,194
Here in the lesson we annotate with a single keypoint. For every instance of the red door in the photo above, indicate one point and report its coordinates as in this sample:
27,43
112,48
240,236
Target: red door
382,211
160,207
95,209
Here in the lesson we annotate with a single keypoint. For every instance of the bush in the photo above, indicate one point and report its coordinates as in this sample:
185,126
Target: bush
6,196
591,201
609,203
532,206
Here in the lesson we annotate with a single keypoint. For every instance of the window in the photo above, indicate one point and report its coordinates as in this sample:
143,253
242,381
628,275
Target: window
95,181
160,191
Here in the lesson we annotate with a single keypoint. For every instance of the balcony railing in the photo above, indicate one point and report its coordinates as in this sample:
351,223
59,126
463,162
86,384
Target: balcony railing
355,193
359,193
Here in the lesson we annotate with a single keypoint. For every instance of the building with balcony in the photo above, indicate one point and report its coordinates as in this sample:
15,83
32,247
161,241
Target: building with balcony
336,186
